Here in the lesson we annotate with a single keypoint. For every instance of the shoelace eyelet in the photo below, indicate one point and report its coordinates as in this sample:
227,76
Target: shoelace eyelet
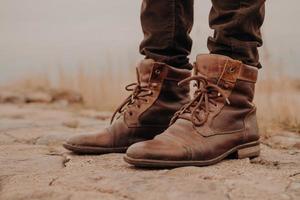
157,72
231,70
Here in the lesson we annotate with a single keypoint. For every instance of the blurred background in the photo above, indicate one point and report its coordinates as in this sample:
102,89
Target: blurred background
91,47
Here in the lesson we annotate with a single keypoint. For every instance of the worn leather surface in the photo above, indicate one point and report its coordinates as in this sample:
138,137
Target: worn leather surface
227,124
145,114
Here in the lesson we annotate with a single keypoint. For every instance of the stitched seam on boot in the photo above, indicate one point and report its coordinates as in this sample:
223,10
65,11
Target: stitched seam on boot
213,118
246,133
235,131
149,106
154,125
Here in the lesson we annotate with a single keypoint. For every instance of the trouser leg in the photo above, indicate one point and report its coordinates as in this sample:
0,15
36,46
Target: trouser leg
166,26
236,25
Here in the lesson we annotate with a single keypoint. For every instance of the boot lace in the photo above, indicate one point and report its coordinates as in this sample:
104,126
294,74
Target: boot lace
138,94
199,107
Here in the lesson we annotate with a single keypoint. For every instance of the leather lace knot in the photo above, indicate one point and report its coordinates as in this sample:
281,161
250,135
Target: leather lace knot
139,93
205,97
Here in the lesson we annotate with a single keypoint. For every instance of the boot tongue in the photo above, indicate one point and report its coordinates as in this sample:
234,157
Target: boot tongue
218,68
144,70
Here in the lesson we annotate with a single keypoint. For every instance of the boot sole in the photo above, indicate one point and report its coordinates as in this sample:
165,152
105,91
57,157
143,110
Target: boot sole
93,150
248,150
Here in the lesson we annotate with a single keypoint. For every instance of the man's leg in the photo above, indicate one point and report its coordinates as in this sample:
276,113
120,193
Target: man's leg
221,118
236,25
156,96
166,25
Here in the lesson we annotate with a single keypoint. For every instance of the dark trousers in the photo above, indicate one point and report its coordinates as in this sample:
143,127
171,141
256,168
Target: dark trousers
167,24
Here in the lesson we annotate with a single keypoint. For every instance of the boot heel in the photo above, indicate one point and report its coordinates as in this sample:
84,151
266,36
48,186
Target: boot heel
248,152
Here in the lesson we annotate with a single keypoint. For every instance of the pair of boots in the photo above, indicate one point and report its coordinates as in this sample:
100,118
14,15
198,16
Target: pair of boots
158,125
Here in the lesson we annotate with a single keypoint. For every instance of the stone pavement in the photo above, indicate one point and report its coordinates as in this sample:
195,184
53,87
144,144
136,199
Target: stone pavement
33,165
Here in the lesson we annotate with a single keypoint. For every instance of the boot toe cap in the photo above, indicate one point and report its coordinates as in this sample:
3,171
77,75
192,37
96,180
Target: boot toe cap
95,139
155,150
76,140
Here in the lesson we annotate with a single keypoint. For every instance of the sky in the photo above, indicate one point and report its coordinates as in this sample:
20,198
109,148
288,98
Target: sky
36,35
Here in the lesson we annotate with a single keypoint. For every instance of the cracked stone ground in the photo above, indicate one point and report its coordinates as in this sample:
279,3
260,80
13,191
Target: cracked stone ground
33,165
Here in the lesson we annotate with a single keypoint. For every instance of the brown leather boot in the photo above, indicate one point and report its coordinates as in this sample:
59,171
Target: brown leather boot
145,113
218,122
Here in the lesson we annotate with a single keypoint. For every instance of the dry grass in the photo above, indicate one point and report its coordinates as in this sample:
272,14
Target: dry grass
102,90
277,97
278,103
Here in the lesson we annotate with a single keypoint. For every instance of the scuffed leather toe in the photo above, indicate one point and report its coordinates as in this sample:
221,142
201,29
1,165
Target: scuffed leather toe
155,150
102,139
